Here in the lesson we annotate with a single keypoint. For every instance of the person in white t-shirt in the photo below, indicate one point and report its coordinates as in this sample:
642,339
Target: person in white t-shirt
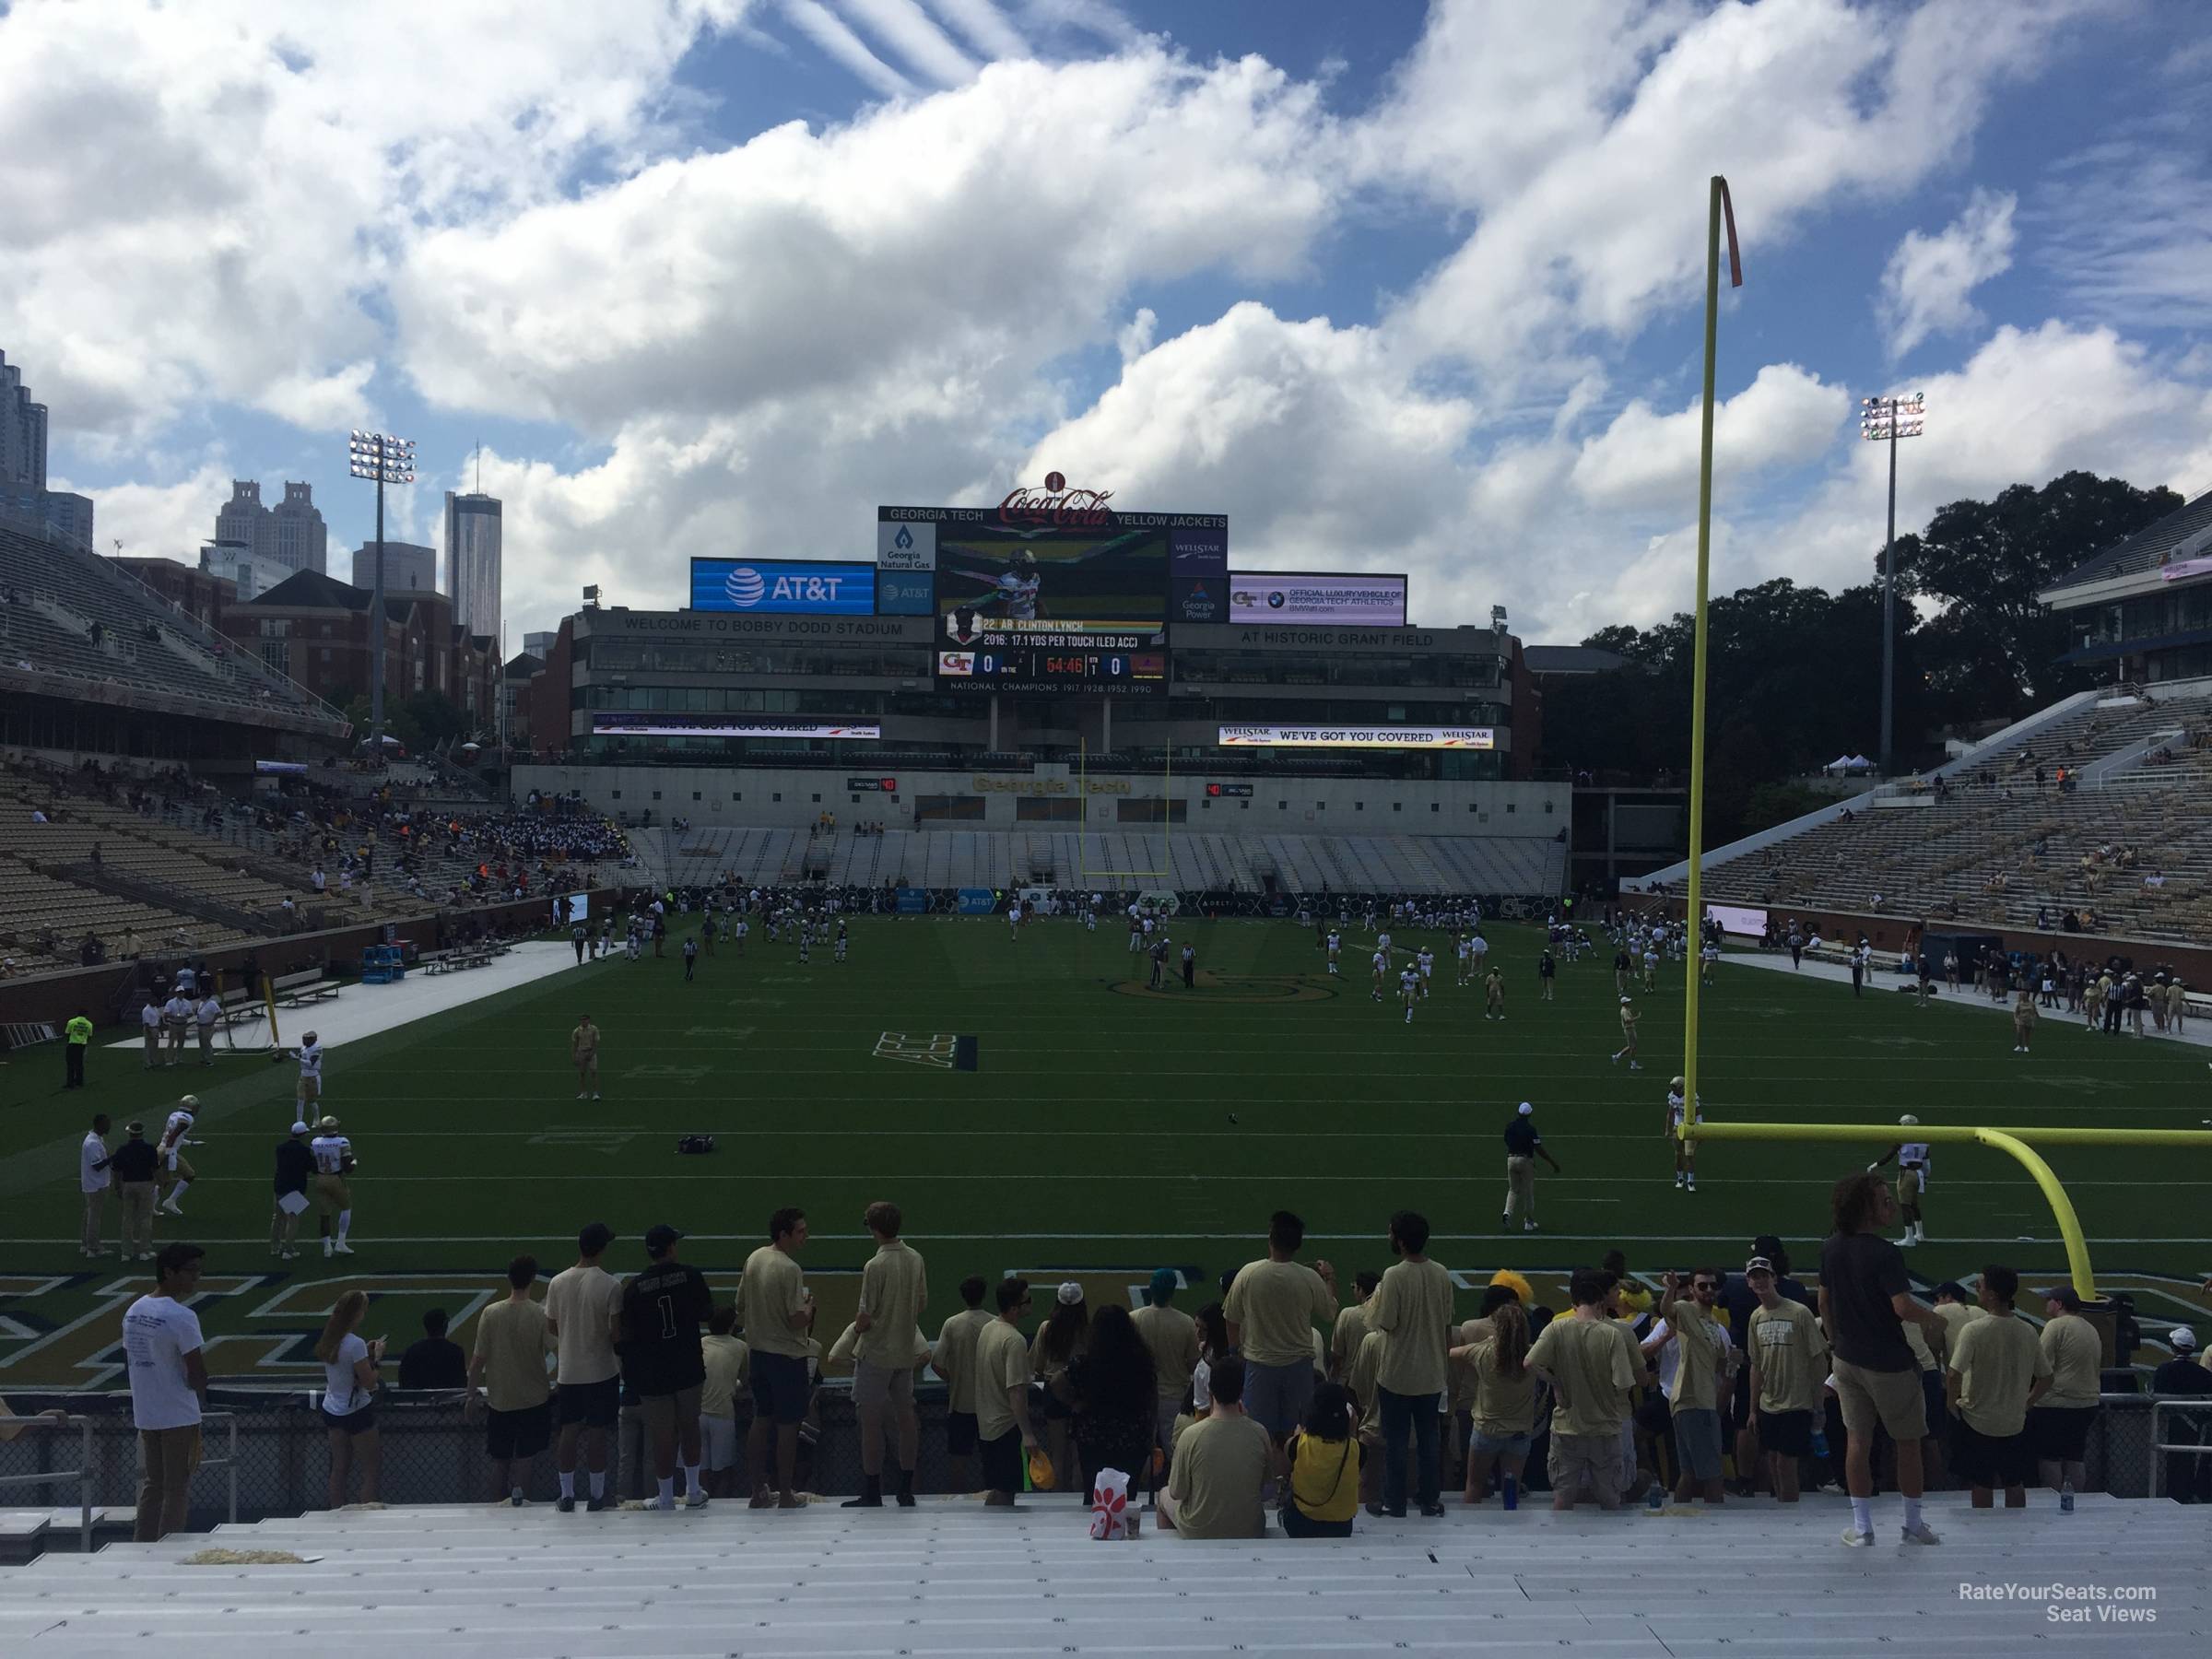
207,1014
580,1304
310,1091
169,1389
93,1180
349,1368
149,1027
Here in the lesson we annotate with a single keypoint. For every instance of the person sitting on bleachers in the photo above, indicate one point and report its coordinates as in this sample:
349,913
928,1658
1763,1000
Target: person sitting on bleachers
1220,1462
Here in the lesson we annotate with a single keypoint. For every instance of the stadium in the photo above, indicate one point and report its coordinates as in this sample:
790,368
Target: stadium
773,1124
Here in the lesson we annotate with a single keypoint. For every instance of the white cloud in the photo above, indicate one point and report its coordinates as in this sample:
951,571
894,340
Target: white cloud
198,201
984,25
159,521
1925,285
1000,223
1806,102
1784,417
829,31
907,28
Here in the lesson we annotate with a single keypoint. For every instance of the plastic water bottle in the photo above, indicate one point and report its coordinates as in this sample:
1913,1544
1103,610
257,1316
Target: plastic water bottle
2066,1499
1656,1500
1513,1493
1820,1442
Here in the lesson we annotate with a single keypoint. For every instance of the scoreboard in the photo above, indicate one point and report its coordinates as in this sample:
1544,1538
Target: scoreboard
1038,660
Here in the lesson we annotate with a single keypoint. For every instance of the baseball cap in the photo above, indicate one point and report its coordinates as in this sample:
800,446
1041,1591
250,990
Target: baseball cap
1526,1108
1164,1285
1758,1263
1623,999
1070,1293
2181,1338
2064,1295
660,1236
298,1128
594,1237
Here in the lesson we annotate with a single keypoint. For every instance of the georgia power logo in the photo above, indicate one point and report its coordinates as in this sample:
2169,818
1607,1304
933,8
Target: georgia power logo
745,588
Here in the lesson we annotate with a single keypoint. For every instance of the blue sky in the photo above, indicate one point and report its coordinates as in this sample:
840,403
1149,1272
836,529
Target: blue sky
1397,286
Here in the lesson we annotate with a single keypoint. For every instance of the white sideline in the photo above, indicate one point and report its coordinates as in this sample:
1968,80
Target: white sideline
365,1010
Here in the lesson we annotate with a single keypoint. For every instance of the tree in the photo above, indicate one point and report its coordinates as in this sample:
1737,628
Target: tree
1993,649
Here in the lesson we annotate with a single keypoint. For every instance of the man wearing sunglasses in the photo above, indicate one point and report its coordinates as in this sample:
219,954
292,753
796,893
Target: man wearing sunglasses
1695,1358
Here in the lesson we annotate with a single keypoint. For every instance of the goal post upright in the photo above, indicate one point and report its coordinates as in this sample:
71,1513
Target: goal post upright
2011,1139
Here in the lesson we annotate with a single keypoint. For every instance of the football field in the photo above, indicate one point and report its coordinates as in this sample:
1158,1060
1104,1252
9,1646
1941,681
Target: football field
1105,1129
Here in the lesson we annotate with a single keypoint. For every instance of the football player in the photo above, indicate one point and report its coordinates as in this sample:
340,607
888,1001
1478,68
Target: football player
176,1137
333,1194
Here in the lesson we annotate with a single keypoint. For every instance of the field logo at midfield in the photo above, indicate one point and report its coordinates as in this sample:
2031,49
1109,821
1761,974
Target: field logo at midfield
1234,987
937,1050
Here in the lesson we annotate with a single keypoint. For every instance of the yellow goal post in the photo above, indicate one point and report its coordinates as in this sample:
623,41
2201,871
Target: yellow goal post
2010,1140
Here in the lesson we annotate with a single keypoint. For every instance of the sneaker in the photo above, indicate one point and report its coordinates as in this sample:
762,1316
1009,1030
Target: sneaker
698,1499
1920,1534
1855,1539
668,1504
1433,1510
594,1096
1528,1227
1394,1514
580,1094
592,1506
566,1503
515,1498
344,1248
326,1247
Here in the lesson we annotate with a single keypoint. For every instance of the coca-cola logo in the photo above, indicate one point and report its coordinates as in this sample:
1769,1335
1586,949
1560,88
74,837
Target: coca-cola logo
1058,506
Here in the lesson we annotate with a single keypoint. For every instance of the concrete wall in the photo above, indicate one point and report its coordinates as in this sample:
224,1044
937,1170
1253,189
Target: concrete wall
749,797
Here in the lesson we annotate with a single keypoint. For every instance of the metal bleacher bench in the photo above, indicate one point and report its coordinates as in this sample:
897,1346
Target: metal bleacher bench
308,985
453,957
240,1005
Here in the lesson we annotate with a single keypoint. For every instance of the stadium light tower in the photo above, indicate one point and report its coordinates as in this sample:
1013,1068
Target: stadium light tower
1885,420
386,460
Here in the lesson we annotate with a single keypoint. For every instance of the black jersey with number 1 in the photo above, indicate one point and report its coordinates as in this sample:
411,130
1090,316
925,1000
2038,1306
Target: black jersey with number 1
662,1309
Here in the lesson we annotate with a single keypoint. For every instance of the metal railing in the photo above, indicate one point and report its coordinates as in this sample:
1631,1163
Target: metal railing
92,1469
2163,1450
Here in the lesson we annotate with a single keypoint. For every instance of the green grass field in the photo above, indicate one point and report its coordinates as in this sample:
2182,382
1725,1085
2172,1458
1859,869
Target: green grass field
1106,1131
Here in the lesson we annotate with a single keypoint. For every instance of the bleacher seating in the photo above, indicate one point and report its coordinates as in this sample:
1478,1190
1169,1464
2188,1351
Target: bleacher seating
953,1578
52,596
1190,860
2131,844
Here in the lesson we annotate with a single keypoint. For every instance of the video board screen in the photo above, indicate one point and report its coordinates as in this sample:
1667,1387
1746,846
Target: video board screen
795,587
1051,590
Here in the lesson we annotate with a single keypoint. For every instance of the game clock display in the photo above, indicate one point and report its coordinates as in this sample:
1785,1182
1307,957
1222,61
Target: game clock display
1110,665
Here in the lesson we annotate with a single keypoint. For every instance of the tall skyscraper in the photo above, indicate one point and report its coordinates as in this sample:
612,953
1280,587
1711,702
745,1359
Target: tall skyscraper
291,536
24,498
22,431
472,560
302,539
409,568
242,523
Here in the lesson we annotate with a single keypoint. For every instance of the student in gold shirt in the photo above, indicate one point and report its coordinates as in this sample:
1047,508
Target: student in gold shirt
1997,1371
1693,1394
1412,1307
953,1358
1587,1365
2061,1423
1172,1336
1789,1357
894,1288
1002,1395
1503,1416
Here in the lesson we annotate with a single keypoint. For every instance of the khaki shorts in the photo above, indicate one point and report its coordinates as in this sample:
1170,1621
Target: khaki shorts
1891,1397
1909,1185
876,1384
666,1412
332,1194
309,1091
1586,1461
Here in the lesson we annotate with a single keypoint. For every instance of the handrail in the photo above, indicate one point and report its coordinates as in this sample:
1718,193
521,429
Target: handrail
2159,1446
82,1474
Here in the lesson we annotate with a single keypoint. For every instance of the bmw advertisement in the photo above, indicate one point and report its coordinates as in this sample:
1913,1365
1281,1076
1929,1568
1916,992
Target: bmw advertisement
1305,597
784,586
